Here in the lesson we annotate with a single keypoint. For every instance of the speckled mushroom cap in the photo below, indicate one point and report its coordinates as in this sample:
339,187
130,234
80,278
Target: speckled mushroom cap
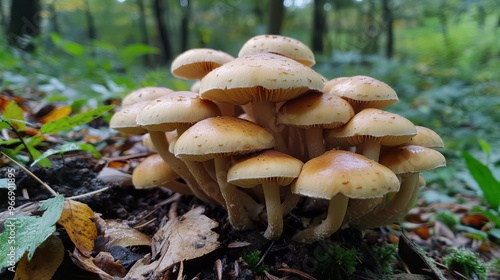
333,82
259,77
196,63
412,159
426,137
221,136
124,120
364,92
267,166
281,45
315,109
351,174
145,93
382,127
180,108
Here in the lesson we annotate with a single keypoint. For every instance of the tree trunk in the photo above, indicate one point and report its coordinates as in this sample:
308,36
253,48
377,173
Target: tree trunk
91,29
24,24
319,26
186,15
166,49
143,29
54,22
388,20
3,19
276,16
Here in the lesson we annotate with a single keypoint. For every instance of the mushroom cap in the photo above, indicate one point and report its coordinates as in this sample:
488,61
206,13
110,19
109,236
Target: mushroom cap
153,171
382,127
315,109
281,45
426,137
221,136
259,77
267,166
364,92
180,108
124,120
145,93
331,83
196,63
412,159
345,172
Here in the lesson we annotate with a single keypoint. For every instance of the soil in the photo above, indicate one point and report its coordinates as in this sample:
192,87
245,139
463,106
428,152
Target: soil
76,175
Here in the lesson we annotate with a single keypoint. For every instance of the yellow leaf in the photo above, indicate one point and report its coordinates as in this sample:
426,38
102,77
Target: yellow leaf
76,218
47,258
56,114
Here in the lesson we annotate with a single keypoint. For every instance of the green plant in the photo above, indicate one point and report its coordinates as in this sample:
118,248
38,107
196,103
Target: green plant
466,263
338,262
253,261
385,256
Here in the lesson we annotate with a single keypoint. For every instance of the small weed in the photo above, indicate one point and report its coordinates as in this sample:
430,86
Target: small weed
252,260
466,263
385,256
339,262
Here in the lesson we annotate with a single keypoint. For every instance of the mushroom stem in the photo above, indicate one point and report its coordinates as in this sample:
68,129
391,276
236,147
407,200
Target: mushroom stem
332,222
178,166
289,202
265,116
237,215
397,208
205,181
253,208
371,150
178,187
359,207
314,140
274,211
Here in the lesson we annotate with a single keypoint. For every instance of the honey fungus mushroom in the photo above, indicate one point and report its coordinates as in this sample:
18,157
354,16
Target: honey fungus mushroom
337,176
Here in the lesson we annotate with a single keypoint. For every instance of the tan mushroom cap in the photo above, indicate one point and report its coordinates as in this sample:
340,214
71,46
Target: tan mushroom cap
364,92
412,159
196,63
372,124
281,45
267,166
180,108
221,136
154,172
145,93
259,77
426,137
124,120
315,109
329,84
351,174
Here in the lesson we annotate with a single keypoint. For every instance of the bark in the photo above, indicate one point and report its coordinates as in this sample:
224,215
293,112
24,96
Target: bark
319,26
186,15
161,27
24,24
276,16
388,19
143,29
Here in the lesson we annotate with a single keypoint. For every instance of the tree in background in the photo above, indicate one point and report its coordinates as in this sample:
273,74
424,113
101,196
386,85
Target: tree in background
319,28
162,30
276,16
24,24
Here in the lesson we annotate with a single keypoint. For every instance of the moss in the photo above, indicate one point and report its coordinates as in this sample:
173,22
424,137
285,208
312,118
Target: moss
252,260
466,263
338,262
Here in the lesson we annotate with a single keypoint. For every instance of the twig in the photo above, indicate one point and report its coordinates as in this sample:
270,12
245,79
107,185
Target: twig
20,139
123,158
54,193
265,253
87,194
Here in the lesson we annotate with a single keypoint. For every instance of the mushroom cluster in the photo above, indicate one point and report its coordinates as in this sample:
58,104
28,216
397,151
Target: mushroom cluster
263,132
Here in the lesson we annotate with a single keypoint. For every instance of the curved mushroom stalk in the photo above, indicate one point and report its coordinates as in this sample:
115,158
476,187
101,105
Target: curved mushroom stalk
332,222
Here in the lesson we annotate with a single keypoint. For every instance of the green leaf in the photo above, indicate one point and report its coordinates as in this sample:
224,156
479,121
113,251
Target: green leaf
484,178
25,233
15,115
128,53
66,123
485,146
4,123
67,147
495,232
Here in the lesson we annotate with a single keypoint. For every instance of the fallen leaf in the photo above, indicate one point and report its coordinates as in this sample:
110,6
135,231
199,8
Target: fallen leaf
184,238
47,258
112,175
107,263
76,218
120,234
87,263
476,221
56,114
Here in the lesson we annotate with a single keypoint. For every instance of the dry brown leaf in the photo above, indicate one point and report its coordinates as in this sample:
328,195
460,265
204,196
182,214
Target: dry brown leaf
107,263
87,263
120,234
56,114
47,258
184,238
76,218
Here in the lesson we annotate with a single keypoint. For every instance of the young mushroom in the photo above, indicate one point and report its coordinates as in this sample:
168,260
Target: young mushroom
271,169
219,138
337,176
